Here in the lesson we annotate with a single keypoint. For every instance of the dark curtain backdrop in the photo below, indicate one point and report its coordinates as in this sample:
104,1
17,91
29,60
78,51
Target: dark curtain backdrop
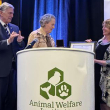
76,20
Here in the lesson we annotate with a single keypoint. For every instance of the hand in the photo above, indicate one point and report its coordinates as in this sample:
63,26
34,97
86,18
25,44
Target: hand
20,38
88,40
100,62
12,36
95,61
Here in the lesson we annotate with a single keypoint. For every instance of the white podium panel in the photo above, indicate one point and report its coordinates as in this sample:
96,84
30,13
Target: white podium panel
55,79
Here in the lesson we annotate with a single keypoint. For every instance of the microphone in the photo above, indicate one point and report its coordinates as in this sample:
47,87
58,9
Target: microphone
30,45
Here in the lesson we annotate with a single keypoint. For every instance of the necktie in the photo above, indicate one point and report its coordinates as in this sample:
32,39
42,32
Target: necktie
5,27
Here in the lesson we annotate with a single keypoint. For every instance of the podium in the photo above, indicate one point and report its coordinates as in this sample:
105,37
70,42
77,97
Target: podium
55,79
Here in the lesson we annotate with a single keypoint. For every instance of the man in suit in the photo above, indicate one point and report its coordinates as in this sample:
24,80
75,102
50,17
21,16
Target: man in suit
11,41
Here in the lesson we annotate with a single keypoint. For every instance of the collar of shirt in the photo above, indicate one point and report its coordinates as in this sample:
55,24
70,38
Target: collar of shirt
41,31
4,24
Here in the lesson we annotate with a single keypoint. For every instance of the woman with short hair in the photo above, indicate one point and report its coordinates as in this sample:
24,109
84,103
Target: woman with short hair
47,23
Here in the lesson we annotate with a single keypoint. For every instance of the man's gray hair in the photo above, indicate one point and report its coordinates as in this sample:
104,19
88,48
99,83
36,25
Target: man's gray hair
46,19
5,5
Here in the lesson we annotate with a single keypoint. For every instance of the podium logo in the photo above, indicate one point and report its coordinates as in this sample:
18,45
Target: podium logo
55,85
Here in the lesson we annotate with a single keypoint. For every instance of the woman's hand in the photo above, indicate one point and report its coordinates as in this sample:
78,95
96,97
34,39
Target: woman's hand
100,62
88,40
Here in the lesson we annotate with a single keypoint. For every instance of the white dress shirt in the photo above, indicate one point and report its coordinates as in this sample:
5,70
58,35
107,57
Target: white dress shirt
2,23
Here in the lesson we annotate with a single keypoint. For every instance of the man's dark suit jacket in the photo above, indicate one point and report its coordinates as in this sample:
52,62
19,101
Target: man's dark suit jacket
7,52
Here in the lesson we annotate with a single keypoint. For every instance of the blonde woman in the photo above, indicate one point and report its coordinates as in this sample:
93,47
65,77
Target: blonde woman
102,67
